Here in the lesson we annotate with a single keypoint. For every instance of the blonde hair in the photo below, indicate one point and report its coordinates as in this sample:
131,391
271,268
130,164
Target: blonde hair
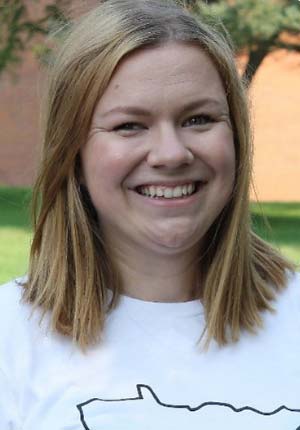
70,270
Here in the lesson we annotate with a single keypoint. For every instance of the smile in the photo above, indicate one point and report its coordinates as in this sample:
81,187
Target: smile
168,192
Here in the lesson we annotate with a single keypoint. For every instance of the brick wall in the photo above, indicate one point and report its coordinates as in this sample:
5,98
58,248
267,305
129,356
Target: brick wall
19,110
19,130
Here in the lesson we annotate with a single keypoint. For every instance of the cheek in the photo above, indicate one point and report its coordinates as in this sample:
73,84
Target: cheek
225,167
107,164
100,160
225,159
220,155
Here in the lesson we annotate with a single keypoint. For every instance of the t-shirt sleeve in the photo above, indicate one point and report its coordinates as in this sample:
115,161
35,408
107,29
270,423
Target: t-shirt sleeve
8,407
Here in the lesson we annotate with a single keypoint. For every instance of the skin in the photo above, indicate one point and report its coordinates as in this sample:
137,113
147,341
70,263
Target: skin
180,133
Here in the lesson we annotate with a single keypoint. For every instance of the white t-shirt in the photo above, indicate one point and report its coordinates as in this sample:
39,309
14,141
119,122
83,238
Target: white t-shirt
148,372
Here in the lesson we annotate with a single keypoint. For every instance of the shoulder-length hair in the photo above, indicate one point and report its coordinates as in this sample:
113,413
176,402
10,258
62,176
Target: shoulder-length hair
70,270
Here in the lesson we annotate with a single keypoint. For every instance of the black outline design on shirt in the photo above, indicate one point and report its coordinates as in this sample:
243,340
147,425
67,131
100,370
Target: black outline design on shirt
191,409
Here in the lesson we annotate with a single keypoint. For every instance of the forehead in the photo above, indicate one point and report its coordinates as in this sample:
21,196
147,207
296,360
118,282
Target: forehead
165,71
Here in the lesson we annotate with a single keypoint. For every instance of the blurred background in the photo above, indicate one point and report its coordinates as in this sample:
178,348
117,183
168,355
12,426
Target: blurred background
266,36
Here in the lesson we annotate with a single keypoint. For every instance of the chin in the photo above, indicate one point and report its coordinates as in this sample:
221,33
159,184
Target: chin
176,241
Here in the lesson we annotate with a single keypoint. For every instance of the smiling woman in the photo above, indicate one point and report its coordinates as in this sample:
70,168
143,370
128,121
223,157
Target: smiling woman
152,296
160,173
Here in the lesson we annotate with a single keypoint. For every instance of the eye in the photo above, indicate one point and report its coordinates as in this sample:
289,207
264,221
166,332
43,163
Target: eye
129,127
195,120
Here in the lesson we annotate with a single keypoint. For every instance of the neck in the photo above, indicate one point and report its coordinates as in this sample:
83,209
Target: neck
158,278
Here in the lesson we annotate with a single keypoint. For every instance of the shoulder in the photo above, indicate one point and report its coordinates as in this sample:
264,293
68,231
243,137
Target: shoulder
24,327
19,325
294,279
16,315
292,292
13,312
287,305
12,318
10,299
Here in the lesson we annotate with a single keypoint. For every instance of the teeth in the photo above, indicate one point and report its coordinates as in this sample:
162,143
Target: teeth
152,191
177,192
159,192
168,192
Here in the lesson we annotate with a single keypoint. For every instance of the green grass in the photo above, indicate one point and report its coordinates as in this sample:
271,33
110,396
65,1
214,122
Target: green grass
283,226
15,231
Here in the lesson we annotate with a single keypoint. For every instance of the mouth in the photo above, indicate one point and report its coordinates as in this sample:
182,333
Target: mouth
170,192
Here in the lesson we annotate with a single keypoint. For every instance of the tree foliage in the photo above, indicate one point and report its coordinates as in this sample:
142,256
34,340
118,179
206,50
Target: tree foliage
18,29
255,26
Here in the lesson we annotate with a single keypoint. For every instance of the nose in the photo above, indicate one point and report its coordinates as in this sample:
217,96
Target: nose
168,149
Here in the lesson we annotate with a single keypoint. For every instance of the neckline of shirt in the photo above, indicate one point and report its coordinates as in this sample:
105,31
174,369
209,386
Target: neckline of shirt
137,306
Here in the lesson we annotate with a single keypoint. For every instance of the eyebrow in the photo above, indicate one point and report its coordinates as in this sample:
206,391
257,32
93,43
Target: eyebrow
138,111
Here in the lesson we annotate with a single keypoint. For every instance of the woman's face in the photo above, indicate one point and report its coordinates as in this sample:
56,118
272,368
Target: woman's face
159,162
